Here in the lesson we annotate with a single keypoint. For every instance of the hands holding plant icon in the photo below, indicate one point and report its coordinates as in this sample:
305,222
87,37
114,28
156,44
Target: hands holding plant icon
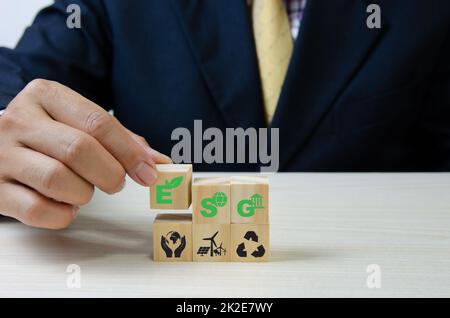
173,244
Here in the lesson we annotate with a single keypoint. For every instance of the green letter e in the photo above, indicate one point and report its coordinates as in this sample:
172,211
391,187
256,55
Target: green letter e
163,195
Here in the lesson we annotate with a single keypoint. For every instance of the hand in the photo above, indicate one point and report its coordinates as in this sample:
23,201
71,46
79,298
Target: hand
56,146
165,247
180,248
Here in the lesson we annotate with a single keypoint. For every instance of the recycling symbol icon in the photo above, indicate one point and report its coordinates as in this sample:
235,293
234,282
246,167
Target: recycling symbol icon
250,236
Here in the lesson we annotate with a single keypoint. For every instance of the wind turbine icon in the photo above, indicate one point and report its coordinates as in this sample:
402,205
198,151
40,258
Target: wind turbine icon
220,250
213,243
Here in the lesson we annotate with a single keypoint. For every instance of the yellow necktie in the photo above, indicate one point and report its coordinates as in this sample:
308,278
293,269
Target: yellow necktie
274,47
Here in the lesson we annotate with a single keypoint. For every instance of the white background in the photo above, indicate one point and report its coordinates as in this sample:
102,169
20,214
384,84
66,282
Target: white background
15,16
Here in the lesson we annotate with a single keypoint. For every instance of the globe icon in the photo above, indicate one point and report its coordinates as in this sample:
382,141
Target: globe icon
220,199
174,237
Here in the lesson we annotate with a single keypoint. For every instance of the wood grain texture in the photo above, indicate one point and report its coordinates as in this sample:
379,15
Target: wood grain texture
176,198
325,229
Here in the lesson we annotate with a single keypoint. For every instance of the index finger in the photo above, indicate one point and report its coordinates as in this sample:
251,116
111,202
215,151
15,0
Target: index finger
72,109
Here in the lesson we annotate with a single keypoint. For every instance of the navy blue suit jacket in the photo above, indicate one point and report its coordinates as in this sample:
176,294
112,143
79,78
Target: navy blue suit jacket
354,99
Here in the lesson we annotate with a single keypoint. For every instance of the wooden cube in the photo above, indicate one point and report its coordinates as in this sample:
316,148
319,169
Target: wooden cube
172,238
172,190
211,242
211,200
250,243
250,200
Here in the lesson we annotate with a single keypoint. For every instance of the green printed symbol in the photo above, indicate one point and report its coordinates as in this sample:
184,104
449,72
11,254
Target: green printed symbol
163,193
219,199
247,207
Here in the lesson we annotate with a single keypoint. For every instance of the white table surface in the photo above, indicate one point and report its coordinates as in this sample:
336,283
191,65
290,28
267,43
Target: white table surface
325,230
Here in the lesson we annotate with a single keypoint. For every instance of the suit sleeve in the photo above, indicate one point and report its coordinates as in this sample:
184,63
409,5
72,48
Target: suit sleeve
434,128
79,58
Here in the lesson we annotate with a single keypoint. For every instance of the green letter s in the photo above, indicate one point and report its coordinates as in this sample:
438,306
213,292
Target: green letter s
208,204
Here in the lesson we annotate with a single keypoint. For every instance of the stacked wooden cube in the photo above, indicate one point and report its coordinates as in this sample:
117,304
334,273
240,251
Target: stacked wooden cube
229,220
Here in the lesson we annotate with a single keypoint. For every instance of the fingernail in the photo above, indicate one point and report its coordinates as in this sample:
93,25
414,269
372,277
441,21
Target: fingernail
154,153
146,174
168,159
75,211
120,188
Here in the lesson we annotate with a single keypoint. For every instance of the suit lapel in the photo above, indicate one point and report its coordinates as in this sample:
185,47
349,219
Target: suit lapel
220,36
333,43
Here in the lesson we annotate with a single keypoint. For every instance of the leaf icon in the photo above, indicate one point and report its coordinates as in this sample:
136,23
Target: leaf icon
175,182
